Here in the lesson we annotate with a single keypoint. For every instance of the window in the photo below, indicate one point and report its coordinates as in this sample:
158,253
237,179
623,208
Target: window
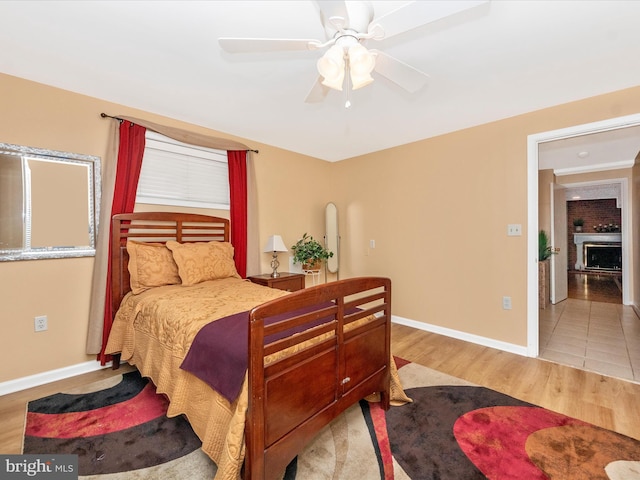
179,174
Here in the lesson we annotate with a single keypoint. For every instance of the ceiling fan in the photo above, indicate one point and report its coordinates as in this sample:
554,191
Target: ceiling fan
349,26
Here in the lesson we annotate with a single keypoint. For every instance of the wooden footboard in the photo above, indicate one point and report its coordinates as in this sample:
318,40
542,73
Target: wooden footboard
292,398
299,382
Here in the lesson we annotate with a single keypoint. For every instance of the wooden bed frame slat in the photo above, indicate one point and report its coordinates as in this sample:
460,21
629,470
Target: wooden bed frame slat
157,227
288,405
299,320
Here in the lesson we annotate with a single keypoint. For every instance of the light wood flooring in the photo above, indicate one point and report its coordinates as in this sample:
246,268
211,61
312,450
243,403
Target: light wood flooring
604,401
595,287
13,407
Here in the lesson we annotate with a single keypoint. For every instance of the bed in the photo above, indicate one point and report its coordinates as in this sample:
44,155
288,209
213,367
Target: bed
313,353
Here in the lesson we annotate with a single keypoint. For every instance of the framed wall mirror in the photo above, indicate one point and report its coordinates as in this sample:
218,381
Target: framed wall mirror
332,237
49,202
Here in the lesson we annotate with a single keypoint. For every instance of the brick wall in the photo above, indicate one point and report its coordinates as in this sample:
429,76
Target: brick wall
593,212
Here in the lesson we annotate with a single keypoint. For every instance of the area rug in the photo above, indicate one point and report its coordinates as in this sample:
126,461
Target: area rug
119,430
452,430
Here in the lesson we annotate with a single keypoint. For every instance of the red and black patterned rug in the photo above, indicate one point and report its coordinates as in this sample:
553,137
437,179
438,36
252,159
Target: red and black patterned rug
452,430
117,427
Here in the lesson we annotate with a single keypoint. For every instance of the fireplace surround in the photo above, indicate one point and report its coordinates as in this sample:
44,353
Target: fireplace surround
603,256
598,251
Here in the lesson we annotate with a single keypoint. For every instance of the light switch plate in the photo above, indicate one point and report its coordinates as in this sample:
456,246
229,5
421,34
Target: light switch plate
514,229
506,303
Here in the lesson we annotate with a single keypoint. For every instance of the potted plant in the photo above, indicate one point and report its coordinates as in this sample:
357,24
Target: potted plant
544,249
578,223
310,253
544,272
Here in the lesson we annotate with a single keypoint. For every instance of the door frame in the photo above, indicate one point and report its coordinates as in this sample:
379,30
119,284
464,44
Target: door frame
625,218
532,213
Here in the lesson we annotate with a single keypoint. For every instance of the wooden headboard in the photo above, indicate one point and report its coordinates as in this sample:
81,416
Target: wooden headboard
158,227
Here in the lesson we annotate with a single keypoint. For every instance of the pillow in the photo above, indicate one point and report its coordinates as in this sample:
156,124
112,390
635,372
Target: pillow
150,265
199,262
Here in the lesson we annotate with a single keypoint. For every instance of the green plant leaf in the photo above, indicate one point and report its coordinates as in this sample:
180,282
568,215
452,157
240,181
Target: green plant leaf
544,249
308,250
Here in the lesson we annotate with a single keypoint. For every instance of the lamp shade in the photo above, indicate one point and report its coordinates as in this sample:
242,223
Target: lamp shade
275,244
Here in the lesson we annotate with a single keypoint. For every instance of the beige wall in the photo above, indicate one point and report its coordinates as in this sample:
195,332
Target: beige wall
293,191
291,195
594,176
437,209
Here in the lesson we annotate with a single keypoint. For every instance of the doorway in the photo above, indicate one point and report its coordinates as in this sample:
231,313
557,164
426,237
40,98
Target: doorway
534,141
593,257
586,327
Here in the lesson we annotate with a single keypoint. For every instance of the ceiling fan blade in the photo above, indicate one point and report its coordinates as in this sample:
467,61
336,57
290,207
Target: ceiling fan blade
317,92
416,14
407,77
263,45
332,9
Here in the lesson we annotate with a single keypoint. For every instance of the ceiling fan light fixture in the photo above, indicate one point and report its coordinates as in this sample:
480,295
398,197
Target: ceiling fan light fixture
361,64
361,60
335,82
359,81
349,26
331,67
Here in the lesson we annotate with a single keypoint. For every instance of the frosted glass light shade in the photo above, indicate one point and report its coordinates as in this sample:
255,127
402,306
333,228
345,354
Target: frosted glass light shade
361,64
335,83
331,67
359,81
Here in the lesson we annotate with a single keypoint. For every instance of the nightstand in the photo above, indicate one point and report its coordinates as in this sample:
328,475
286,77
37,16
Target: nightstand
290,282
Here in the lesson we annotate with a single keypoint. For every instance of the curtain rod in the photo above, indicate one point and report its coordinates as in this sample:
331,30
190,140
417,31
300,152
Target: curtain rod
104,115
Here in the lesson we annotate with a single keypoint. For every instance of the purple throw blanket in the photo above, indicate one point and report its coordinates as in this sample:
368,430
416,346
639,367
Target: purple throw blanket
219,353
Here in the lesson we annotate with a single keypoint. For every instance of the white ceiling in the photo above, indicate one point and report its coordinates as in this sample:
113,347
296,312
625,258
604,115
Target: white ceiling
604,150
498,60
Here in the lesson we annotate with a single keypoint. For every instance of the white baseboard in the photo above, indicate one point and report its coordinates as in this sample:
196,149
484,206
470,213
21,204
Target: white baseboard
31,381
467,337
24,383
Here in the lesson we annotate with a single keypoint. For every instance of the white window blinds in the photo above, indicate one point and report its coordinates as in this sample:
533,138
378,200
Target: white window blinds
178,174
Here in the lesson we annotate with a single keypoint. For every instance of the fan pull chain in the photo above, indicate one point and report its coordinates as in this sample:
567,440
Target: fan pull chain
347,93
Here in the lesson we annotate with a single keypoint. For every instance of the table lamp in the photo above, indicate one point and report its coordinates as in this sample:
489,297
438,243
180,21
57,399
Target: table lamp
275,245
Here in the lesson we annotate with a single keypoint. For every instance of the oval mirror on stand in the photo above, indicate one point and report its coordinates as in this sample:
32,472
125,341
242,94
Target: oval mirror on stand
332,238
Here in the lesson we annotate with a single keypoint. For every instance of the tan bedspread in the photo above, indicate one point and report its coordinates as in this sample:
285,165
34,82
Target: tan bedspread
157,342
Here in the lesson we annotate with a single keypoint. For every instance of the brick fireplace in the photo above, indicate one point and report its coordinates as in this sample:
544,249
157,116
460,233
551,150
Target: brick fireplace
594,212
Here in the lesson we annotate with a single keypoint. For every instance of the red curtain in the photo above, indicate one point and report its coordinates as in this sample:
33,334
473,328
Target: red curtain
130,152
238,208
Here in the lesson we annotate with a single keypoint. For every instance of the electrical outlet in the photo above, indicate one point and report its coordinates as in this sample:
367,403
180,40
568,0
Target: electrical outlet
506,303
40,323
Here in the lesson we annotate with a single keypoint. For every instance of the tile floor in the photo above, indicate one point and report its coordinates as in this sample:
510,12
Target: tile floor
596,336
